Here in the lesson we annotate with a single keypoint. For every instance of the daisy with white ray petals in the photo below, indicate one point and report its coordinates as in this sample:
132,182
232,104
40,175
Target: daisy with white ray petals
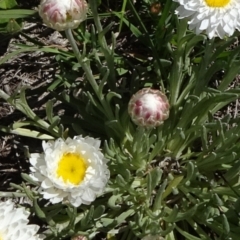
218,18
73,170
14,223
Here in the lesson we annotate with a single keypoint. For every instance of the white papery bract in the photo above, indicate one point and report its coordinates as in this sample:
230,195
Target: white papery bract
73,170
14,223
63,14
148,108
217,18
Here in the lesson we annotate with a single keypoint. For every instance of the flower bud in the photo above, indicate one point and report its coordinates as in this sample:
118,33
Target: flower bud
63,14
148,108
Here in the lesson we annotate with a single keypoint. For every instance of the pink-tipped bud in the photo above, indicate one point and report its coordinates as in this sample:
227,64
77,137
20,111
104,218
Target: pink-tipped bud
63,14
148,108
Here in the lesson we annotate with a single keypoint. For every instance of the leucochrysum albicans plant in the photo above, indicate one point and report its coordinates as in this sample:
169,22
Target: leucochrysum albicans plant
161,162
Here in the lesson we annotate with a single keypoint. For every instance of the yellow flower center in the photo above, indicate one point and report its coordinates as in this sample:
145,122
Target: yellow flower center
217,3
72,168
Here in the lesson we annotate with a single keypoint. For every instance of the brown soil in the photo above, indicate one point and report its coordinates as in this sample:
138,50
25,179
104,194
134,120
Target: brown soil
33,70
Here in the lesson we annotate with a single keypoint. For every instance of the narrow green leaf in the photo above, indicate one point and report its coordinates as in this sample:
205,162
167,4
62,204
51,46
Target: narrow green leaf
173,215
153,179
112,202
99,211
38,210
26,133
107,222
16,13
120,180
87,219
225,225
122,217
72,214
158,200
13,26
49,110
188,214
27,178
190,172
28,192
187,235
217,200
173,184
233,171
110,95
5,4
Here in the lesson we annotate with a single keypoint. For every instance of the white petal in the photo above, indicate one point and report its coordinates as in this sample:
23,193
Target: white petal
14,223
47,183
216,21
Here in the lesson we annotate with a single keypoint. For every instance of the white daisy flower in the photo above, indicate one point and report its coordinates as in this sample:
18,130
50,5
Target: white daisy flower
14,223
216,17
73,170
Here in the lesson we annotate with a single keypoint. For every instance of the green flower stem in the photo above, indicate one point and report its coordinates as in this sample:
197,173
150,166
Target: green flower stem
103,43
93,5
82,61
88,72
12,194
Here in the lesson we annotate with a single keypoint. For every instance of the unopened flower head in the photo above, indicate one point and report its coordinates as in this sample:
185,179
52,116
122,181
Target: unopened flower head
63,14
14,223
216,17
73,170
148,108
